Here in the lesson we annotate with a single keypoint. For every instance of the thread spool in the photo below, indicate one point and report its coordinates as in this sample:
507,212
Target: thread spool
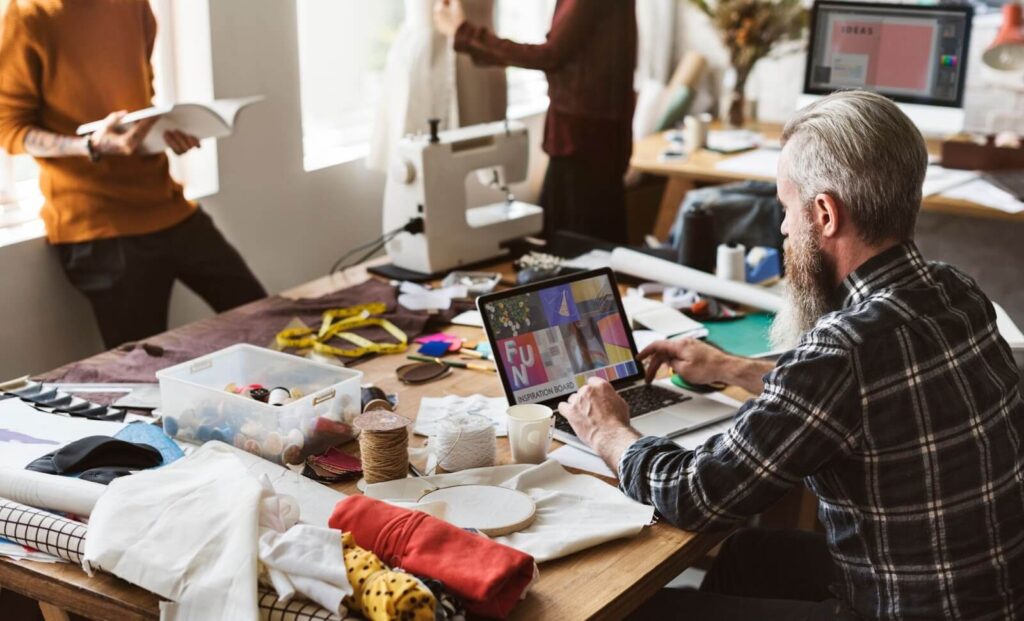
697,241
383,445
464,441
373,398
695,133
731,262
278,396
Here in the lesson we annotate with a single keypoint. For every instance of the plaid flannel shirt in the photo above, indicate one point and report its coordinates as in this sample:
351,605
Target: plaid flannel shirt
902,412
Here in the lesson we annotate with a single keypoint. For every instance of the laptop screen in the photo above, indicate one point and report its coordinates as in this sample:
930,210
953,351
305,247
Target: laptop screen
549,339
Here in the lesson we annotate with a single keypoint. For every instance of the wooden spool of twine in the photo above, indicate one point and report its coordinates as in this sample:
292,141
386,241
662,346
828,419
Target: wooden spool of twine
383,445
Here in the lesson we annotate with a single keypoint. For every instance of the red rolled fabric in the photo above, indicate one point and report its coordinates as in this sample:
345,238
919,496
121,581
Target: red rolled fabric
489,577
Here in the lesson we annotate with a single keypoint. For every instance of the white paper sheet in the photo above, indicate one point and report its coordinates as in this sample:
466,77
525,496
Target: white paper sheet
433,409
27,434
984,193
757,163
573,457
660,317
938,179
643,338
417,297
471,318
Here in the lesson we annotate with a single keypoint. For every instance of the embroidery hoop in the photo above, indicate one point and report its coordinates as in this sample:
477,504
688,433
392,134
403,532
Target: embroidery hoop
491,509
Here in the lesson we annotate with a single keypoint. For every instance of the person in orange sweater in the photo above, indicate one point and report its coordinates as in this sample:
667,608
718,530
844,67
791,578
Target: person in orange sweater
122,227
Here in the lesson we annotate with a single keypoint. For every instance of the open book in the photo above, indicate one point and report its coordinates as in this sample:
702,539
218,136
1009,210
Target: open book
213,119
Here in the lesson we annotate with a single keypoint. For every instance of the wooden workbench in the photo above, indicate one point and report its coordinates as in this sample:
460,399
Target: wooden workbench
700,168
604,582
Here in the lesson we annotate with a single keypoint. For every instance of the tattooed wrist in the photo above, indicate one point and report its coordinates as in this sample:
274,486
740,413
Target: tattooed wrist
43,143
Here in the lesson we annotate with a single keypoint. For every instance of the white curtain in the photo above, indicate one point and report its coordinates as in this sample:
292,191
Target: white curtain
656,34
424,78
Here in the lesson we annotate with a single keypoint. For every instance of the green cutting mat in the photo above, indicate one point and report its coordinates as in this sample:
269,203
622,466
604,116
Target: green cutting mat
747,336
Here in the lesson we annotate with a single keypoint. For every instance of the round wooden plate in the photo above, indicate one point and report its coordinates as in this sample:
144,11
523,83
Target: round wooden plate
492,510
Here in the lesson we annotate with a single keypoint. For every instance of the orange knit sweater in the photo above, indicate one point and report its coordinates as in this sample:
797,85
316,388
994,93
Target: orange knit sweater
68,62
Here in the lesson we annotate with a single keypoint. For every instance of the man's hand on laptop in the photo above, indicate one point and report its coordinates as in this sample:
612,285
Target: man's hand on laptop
600,418
700,363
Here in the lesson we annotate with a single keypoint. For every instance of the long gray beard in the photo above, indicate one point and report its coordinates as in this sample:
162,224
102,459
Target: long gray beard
807,295
798,315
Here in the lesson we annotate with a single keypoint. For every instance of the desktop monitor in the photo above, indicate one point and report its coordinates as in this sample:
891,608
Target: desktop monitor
915,55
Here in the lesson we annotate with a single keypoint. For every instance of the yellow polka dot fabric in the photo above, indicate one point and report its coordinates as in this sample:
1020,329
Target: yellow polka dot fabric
380,593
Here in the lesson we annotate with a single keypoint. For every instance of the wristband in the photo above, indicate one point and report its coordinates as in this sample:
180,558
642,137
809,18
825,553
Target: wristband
94,155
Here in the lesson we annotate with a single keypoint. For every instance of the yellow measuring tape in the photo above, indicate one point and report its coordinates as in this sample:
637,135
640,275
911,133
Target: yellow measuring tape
337,323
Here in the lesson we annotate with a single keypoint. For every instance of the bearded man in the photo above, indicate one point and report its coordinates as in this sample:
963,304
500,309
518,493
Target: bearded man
898,406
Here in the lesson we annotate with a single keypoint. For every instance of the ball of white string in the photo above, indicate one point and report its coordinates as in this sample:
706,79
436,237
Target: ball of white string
463,441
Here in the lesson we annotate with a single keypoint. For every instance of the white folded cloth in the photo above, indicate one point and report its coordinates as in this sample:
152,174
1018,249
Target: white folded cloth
193,533
574,511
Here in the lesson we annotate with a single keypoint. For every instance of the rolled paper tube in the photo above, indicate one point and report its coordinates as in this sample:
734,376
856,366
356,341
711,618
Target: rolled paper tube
634,263
50,491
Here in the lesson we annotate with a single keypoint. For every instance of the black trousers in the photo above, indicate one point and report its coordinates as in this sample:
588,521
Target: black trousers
759,574
585,195
128,279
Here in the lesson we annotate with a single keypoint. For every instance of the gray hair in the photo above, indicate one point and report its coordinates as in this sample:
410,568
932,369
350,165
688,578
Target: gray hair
861,149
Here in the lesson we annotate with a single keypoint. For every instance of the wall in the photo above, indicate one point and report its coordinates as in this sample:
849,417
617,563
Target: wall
289,224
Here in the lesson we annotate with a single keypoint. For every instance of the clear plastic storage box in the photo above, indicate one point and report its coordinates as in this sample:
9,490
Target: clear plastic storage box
197,406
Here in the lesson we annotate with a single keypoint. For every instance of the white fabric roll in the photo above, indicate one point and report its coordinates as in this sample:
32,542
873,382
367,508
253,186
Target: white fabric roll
644,266
50,491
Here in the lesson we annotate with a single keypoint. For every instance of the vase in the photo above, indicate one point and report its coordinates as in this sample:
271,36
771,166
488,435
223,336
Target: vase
734,109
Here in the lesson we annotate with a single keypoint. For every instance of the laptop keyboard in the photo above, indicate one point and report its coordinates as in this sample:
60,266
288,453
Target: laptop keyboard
641,400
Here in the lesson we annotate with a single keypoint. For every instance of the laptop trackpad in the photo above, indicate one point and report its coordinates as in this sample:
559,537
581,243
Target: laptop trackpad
682,416
658,423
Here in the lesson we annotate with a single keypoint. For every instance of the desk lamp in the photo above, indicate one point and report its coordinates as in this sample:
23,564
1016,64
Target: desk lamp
1006,52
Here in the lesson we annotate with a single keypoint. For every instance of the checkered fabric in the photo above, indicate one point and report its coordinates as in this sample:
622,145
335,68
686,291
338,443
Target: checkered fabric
902,412
42,530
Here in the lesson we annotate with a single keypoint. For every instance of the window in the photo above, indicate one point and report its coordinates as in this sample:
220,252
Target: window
343,47
342,50
527,22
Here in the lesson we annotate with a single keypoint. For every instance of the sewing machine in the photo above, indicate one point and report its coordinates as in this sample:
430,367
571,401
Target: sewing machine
428,179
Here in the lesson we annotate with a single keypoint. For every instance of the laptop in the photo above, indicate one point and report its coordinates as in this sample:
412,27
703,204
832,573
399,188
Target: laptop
550,337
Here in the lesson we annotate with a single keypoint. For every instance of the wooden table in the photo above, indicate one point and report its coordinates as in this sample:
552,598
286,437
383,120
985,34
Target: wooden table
701,169
605,582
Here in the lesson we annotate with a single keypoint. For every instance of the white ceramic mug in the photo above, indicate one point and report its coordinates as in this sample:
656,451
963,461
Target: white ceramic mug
530,427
